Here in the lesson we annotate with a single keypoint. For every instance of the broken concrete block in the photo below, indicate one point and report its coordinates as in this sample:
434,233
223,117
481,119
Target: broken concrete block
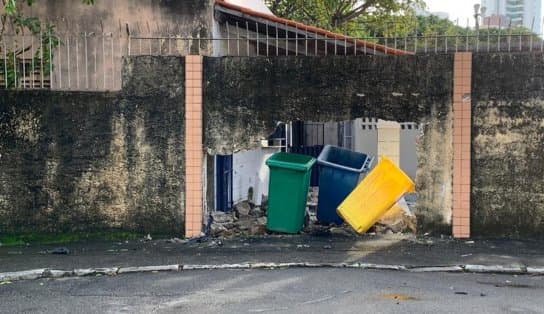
257,230
257,212
217,229
243,209
222,217
262,221
398,219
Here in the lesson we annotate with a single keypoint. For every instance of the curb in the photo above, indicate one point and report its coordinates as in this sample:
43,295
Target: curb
113,271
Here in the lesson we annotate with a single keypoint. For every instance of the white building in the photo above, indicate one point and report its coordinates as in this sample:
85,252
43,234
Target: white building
527,13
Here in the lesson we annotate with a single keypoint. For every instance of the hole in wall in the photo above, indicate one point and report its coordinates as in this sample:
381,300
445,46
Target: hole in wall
241,179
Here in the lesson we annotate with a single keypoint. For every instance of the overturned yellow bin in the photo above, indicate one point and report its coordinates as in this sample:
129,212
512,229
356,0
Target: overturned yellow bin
375,195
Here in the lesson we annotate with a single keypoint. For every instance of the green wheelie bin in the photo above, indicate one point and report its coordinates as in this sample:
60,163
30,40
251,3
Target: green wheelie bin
288,191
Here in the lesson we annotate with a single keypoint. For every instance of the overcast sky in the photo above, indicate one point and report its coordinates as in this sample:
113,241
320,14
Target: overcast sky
458,9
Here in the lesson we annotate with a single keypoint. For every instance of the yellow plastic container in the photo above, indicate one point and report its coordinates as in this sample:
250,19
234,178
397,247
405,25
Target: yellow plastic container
375,195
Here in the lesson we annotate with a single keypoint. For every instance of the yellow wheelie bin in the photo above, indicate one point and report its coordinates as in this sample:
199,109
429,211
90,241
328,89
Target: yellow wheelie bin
375,195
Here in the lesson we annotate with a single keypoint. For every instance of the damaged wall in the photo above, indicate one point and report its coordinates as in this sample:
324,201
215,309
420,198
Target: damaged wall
508,145
245,98
76,161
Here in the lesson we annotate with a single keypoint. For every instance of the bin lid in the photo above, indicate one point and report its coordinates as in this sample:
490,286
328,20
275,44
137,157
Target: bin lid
295,162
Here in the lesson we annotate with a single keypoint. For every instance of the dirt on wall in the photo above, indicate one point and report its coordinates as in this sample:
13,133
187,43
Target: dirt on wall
508,145
246,97
80,161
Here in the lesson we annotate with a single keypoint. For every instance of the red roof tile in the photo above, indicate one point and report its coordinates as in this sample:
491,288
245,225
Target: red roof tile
313,29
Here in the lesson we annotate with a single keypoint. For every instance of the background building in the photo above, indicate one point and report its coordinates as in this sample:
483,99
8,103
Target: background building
527,13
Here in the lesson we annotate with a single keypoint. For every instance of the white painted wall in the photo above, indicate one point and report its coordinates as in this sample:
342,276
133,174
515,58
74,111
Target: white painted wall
365,136
256,5
409,133
250,170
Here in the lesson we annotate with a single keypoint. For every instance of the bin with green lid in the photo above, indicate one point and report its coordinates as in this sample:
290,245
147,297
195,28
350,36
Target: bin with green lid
288,191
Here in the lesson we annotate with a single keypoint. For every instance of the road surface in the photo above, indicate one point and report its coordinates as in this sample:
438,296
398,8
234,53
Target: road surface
278,291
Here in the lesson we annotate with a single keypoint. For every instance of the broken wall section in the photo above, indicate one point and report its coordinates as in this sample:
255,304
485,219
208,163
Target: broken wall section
245,98
80,161
508,145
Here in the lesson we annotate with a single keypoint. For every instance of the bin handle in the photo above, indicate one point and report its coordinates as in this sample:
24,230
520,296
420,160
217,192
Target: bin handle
333,165
368,163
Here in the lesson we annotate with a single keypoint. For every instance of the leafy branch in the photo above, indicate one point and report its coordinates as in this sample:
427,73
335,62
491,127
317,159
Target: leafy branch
13,17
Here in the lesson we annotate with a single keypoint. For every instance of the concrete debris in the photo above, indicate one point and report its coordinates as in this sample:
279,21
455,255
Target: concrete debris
226,225
222,217
176,240
313,193
257,229
342,232
398,219
242,209
257,212
215,243
248,219
262,221
217,229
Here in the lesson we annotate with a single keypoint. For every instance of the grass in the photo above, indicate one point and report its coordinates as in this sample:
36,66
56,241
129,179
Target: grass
57,238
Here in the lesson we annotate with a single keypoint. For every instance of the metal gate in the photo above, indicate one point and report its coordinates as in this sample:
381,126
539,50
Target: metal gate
313,151
223,182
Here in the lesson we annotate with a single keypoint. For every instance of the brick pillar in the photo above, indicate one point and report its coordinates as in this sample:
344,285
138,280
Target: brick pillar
461,144
193,146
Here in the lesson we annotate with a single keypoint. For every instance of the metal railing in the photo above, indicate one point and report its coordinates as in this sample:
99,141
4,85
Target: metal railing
93,61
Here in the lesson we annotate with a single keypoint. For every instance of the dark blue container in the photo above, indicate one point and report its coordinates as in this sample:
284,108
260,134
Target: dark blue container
339,172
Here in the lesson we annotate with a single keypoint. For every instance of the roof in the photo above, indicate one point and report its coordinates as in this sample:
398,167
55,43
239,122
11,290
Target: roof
313,29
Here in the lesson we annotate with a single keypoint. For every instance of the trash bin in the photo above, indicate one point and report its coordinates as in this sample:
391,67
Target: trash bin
375,195
288,191
339,172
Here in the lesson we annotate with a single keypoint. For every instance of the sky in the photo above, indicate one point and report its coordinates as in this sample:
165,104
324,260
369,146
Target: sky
458,9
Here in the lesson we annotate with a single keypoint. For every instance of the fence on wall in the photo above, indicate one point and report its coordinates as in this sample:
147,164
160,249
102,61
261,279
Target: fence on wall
93,61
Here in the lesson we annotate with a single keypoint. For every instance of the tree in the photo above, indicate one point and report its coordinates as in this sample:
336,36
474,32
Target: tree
341,15
13,17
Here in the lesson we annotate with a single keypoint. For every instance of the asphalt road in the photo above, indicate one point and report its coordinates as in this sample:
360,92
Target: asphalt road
278,291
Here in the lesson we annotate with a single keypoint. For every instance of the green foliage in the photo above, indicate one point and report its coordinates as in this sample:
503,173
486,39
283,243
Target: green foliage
14,17
342,15
381,18
57,238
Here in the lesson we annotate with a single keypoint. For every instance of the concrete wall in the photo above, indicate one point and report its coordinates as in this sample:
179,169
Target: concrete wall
74,161
245,97
508,145
99,68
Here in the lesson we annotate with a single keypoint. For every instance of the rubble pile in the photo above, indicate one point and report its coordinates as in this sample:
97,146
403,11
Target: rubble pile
245,219
250,220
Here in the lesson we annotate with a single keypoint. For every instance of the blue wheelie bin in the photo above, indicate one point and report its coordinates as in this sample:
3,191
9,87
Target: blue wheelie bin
339,172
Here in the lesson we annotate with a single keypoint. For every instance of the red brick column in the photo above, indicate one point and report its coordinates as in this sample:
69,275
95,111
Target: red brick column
193,146
461,143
